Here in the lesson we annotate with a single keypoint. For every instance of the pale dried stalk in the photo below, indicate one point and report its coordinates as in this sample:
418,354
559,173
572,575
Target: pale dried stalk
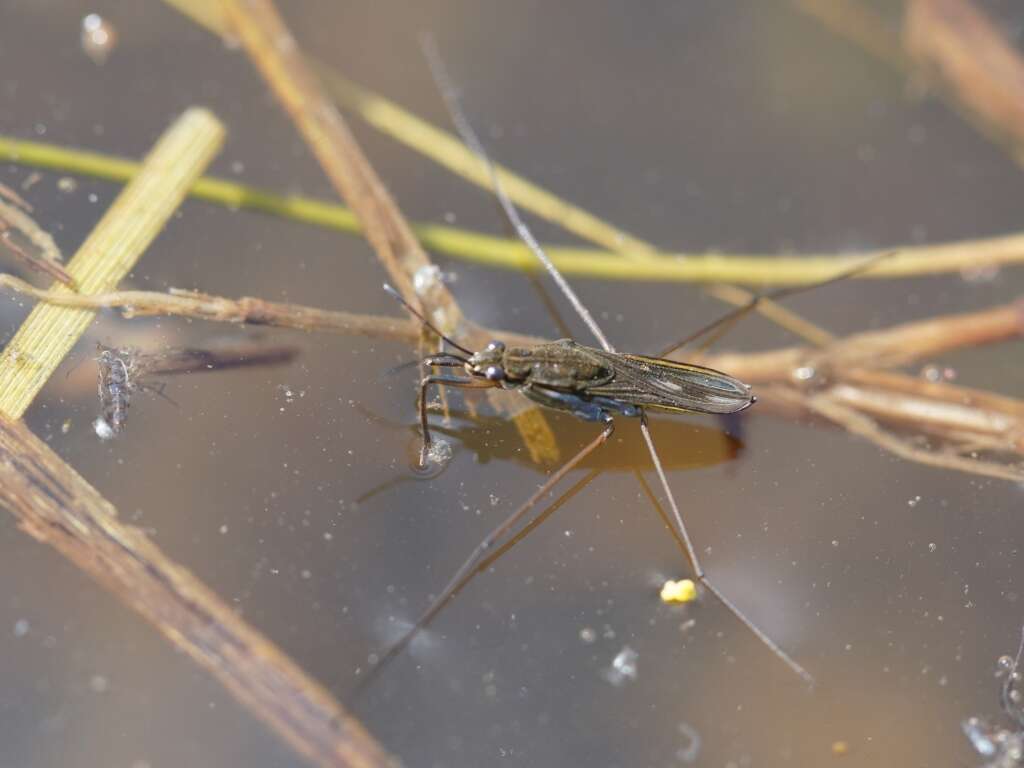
111,250
56,506
965,51
887,348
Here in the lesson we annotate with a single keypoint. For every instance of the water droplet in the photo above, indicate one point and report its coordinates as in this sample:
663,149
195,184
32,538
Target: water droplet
588,635
426,278
804,373
932,546
99,684
98,38
913,502
21,627
982,273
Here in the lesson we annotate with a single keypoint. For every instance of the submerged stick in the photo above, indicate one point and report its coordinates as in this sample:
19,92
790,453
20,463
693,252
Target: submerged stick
108,254
56,506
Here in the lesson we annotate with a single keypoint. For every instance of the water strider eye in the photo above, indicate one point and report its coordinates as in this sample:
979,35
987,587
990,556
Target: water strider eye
496,346
495,372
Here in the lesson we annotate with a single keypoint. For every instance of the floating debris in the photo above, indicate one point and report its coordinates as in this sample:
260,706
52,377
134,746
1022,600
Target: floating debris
689,752
840,748
683,591
1003,747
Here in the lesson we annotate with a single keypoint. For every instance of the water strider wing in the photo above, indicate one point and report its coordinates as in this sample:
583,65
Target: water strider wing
668,385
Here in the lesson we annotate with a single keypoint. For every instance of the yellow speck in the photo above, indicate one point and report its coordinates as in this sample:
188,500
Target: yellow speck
684,591
840,748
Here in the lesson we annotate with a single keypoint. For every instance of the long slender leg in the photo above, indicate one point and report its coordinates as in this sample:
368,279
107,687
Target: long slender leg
726,321
467,569
698,570
452,381
465,130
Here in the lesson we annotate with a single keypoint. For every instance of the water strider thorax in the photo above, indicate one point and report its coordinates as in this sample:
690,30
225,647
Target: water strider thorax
562,364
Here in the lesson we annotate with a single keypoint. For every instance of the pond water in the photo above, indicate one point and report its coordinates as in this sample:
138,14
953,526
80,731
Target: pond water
745,127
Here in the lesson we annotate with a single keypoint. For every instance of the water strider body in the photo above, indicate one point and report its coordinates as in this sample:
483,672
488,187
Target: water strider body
591,383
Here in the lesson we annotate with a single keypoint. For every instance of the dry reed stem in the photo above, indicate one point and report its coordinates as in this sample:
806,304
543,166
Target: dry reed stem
276,54
886,348
108,254
56,506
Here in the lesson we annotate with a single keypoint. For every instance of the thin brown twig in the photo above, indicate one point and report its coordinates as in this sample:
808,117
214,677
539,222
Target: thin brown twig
55,505
837,374
48,257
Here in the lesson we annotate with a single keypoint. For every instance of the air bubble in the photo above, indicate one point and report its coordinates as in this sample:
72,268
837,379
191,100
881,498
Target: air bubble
623,668
102,429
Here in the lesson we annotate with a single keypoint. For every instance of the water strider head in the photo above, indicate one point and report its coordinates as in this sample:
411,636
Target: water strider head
488,363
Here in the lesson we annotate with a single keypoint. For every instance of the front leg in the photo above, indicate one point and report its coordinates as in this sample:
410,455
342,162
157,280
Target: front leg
453,381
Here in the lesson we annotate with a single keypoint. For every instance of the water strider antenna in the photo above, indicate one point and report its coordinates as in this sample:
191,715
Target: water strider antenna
429,325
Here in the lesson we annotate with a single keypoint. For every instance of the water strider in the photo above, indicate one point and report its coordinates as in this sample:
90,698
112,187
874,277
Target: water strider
590,383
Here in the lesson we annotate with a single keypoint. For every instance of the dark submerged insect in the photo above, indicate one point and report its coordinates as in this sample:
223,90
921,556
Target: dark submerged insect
123,371
116,385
